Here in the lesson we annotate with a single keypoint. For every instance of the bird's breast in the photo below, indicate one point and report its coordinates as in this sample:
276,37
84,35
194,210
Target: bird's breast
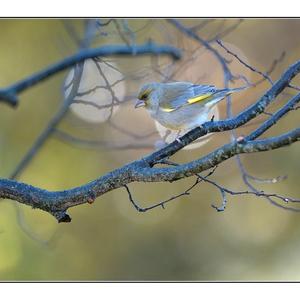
186,117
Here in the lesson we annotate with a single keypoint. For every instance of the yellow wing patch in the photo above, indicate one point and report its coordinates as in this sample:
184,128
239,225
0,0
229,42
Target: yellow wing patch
168,109
199,98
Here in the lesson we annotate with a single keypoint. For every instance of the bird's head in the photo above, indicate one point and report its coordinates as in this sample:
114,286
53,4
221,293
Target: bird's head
147,96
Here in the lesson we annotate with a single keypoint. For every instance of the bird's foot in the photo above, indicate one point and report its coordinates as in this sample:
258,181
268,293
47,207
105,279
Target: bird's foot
179,140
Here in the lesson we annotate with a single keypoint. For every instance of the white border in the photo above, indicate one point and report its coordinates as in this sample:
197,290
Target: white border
148,291
150,8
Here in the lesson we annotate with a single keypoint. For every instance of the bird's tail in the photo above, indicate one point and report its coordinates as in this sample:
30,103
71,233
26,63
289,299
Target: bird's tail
237,89
227,92
219,95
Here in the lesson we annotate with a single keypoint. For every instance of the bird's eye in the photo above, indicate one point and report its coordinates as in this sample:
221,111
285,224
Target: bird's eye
144,97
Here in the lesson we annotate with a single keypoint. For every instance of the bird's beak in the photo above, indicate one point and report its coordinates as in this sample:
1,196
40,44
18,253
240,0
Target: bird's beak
139,103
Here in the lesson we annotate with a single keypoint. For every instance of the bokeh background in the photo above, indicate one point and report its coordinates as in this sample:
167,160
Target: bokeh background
110,240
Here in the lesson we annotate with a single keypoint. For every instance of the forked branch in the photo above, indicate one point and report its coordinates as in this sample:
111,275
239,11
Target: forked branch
143,170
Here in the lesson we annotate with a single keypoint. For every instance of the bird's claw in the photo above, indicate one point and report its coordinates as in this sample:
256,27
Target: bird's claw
179,140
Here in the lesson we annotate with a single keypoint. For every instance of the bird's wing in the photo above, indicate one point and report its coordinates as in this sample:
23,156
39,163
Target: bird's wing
184,94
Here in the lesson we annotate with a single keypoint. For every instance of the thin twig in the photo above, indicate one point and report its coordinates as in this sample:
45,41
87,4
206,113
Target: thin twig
244,63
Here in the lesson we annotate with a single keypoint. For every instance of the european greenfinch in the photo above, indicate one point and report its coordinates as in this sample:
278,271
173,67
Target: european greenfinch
181,105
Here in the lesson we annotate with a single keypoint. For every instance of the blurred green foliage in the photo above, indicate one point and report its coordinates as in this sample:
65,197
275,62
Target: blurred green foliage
109,240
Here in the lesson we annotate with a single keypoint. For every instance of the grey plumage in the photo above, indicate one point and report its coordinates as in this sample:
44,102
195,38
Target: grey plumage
181,105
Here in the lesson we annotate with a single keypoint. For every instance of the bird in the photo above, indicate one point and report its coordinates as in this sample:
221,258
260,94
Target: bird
181,106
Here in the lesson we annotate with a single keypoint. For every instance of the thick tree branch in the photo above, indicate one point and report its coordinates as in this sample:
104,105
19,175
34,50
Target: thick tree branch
9,94
58,202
